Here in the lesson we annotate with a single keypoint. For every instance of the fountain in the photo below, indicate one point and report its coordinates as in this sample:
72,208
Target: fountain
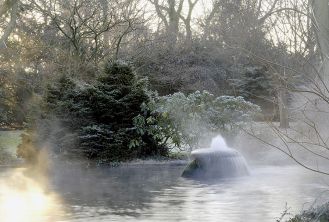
218,161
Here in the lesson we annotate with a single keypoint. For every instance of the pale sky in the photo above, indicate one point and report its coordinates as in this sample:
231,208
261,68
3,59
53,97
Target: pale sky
200,8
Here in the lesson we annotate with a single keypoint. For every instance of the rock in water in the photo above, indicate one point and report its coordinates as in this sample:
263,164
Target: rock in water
214,163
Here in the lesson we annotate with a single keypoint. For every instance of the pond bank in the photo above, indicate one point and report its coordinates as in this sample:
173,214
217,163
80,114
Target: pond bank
12,161
10,139
318,214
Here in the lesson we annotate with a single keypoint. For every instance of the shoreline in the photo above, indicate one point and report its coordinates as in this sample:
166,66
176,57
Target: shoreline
88,164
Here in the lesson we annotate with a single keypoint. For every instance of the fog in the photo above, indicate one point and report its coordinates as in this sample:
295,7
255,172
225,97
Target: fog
164,110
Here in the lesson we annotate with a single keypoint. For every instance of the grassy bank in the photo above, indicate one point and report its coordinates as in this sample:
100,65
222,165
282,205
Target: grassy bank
9,140
318,214
8,143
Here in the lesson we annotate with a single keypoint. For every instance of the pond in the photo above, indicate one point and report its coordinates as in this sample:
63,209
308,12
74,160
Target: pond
157,193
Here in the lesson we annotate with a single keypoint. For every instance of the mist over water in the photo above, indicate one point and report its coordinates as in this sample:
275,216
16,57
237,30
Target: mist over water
93,83
158,193
25,197
61,192
153,192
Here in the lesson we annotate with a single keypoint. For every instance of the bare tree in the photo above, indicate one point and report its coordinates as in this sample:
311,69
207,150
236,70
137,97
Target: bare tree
187,21
304,30
321,15
286,26
11,7
241,14
170,12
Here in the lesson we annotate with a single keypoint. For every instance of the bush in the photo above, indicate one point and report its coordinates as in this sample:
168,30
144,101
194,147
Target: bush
189,120
319,214
96,121
256,85
5,156
117,118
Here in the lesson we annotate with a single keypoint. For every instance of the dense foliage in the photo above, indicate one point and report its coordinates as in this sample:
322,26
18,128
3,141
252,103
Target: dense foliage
97,120
116,118
257,86
15,95
186,52
192,119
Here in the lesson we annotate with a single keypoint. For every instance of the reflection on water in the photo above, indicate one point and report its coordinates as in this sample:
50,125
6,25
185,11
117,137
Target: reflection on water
23,199
157,193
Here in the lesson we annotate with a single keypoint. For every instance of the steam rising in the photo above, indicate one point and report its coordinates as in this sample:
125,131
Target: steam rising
26,197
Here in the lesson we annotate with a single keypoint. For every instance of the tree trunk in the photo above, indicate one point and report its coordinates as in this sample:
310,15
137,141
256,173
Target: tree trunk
173,29
283,108
11,25
6,6
106,36
321,15
188,40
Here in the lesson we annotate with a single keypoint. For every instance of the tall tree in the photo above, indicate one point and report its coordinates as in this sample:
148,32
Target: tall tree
11,7
321,15
170,12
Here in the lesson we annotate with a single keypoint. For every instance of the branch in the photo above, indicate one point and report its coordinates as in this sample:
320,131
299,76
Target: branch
190,10
11,25
252,134
180,7
261,20
7,5
269,13
120,39
158,9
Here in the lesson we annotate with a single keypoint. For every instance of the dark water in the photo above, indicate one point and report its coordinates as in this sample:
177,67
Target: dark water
158,193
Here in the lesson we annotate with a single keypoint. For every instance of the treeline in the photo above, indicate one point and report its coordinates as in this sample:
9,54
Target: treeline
117,117
53,56
231,45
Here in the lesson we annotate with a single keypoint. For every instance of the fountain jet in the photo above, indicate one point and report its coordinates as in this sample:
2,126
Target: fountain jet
218,161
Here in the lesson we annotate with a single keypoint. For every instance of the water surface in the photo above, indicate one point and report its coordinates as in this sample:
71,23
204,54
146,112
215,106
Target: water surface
158,193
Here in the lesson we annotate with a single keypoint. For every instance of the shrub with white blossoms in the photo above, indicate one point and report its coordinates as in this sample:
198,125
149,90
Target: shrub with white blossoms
185,120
